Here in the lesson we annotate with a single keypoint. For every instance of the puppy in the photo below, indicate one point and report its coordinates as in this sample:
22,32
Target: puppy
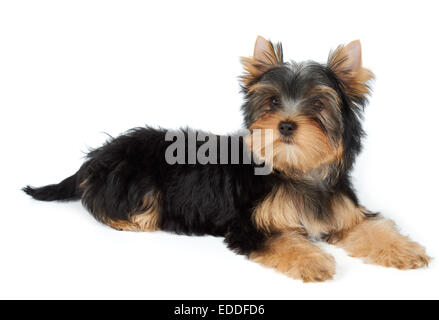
269,191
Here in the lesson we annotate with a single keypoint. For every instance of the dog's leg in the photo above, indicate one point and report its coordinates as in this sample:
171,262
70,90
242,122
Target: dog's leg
374,238
143,218
140,222
294,255
147,220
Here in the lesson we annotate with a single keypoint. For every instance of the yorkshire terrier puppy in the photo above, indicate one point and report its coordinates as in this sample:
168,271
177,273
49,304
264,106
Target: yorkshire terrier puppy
312,113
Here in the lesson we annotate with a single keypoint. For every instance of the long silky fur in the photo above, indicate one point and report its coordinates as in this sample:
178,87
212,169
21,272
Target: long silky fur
215,199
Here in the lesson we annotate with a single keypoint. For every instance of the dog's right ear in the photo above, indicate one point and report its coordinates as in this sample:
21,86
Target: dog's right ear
265,56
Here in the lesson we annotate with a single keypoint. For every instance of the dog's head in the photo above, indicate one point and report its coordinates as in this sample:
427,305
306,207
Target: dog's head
312,110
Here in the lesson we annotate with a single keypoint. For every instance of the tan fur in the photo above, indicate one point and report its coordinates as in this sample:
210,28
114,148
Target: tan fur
349,227
308,149
346,214
328,95
280,211
265,56
277,213
354,81
143,220
82,186
292,254
314,147
146,221
264,88
379,242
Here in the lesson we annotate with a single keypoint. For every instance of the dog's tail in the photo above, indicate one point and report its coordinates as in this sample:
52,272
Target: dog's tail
65,190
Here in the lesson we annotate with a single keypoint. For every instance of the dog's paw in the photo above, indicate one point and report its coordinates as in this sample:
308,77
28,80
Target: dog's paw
402,254
296,257
316,267
379,242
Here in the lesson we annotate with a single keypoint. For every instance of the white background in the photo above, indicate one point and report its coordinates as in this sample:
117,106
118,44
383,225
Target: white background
71,70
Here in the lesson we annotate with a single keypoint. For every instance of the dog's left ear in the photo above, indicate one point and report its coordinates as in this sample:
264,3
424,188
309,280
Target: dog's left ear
265,56
346,64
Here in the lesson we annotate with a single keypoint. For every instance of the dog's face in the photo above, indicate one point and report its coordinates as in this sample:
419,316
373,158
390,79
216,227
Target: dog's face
308,108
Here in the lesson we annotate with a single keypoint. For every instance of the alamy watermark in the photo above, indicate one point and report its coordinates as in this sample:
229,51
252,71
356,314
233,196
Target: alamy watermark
193,147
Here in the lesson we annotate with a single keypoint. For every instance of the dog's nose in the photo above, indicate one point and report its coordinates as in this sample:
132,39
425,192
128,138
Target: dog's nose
286,128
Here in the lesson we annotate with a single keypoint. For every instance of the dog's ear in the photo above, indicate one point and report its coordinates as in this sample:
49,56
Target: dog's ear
345,62
265,56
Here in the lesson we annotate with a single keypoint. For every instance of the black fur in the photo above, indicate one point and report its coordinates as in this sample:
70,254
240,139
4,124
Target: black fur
65,190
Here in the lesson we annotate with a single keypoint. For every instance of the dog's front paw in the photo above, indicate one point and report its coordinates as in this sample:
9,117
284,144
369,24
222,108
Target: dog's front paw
378,241
402,254
296,257
316,267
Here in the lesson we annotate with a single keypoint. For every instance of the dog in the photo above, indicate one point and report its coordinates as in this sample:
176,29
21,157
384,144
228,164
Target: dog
312,112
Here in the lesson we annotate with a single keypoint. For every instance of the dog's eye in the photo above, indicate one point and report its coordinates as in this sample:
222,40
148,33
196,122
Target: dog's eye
318,105
274,102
